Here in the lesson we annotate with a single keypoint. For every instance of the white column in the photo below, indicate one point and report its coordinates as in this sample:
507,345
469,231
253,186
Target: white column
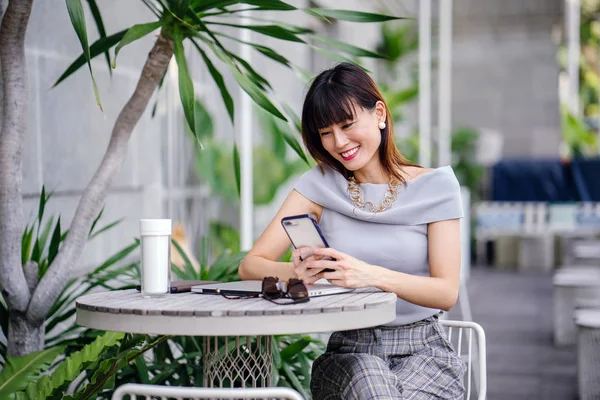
425,83
244,128
445,84
573,19
173,115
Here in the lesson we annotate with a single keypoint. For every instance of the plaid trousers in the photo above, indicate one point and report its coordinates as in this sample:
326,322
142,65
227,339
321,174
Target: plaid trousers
413,361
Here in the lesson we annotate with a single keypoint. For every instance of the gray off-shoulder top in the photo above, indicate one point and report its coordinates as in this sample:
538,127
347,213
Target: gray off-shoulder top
395,238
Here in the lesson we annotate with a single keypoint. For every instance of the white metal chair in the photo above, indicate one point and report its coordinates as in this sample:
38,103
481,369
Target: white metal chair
479,358
170,392
475,373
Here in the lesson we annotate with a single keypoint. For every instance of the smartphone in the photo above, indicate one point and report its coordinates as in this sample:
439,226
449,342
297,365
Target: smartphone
304,231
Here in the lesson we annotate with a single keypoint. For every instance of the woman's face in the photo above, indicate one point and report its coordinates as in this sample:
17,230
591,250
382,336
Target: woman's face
355,143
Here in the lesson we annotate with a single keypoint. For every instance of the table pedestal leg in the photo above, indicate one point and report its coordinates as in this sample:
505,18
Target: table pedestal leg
237,361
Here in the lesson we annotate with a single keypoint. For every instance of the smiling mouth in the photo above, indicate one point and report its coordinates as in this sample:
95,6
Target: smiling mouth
350,154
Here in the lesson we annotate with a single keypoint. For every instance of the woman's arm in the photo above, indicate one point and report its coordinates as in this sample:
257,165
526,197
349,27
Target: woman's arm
440,290
274,242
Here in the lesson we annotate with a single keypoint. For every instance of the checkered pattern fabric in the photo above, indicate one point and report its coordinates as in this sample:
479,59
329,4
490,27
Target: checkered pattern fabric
414,361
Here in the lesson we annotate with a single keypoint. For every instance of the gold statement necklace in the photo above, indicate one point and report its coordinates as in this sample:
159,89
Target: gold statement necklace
389,198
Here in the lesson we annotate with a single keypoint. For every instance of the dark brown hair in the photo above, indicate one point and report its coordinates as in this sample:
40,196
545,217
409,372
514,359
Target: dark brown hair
330,100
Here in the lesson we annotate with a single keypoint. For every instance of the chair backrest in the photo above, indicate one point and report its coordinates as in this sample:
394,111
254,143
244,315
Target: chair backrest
460,334
193,393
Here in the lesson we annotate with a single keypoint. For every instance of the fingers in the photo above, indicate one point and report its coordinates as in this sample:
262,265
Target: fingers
301,258
314,271
309,276
301,254
316,274
296,257
300,271
306,252
335,276
322,264
328,251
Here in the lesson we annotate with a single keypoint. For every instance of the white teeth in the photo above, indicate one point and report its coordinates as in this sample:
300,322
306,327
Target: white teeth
350,152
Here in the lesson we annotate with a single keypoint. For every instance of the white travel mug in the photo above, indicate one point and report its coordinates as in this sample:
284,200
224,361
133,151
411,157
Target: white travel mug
156,256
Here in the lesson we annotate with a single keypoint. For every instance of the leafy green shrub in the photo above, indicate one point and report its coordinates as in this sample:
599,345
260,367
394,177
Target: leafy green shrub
41,240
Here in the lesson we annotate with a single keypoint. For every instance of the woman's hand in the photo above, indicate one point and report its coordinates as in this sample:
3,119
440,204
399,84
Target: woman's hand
349,272
301,258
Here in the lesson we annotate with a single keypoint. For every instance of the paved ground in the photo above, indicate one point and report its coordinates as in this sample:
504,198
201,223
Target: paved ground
515,309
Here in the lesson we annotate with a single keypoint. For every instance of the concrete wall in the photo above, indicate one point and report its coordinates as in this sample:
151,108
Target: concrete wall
505,76
68,134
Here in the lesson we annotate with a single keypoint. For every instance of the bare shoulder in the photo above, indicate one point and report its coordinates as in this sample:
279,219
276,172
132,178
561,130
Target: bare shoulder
411,172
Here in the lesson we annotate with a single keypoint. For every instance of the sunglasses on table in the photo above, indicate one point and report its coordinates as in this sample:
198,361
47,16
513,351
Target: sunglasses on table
276,291
295,290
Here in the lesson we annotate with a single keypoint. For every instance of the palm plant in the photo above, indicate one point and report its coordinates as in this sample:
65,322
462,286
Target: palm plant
271,164
201,22
88,351
178,360
40,243
86,374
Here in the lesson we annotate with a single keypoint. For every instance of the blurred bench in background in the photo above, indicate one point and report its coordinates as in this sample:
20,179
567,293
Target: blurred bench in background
536,235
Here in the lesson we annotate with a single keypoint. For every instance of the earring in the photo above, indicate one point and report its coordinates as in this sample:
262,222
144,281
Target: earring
382,125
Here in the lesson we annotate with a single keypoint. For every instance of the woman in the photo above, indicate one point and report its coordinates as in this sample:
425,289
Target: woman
391,225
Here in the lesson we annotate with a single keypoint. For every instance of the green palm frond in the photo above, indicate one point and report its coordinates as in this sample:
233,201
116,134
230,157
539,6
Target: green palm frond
204,22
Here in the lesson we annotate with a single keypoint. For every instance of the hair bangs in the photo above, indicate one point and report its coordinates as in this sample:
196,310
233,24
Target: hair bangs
330,105
332,99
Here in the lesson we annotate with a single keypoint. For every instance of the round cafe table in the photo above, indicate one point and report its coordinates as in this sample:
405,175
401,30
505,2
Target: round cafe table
232,324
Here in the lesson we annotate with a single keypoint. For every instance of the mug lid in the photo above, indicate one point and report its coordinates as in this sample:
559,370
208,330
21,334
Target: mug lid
155,227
